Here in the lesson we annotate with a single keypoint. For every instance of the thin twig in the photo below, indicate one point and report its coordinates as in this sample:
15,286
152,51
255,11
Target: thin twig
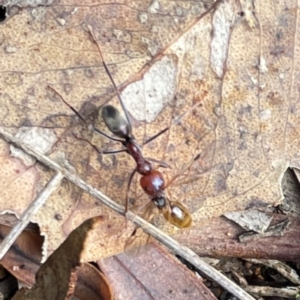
183,251
282,268
52,185
268,291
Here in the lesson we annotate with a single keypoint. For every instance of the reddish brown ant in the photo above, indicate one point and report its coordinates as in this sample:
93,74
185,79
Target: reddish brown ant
152,181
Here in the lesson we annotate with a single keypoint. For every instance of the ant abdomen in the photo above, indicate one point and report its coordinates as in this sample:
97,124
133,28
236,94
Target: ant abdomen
177,215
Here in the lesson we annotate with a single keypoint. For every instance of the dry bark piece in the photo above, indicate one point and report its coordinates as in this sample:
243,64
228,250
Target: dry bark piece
219,237
285,270
154,274
287,292
23,258
239,278
250,219
278,229
291,191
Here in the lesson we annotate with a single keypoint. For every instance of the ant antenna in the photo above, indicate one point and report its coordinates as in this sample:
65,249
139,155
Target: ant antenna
111,79
122,103
80,116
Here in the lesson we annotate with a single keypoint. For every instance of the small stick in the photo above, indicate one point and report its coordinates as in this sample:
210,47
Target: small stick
52,185
282,268
268,291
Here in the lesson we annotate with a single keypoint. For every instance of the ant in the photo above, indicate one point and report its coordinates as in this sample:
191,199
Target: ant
152,181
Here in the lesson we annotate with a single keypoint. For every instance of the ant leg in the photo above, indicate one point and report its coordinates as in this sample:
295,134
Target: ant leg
114,151
128,188
106,135
82,139
100,152
139,238
182,171
156,135
81,117
175,122
66,103
160,163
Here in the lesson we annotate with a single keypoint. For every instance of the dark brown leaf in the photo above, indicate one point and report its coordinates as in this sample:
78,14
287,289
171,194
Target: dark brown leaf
154,274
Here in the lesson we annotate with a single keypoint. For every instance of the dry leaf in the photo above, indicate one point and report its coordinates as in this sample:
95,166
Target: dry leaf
163,55
91,284
154,274
57,277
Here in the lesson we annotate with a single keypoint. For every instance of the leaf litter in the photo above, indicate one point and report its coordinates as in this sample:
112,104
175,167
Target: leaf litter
247,121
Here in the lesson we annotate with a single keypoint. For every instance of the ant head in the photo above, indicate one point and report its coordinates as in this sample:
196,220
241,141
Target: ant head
178,215
115,122
160,202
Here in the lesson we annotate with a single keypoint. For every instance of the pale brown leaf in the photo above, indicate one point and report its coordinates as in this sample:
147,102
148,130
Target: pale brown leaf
164,55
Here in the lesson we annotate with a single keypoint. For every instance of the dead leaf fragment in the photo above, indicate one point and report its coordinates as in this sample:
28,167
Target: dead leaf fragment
250,219
24,257
220,238
57,277
42,139
154,274
222,22
91,284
